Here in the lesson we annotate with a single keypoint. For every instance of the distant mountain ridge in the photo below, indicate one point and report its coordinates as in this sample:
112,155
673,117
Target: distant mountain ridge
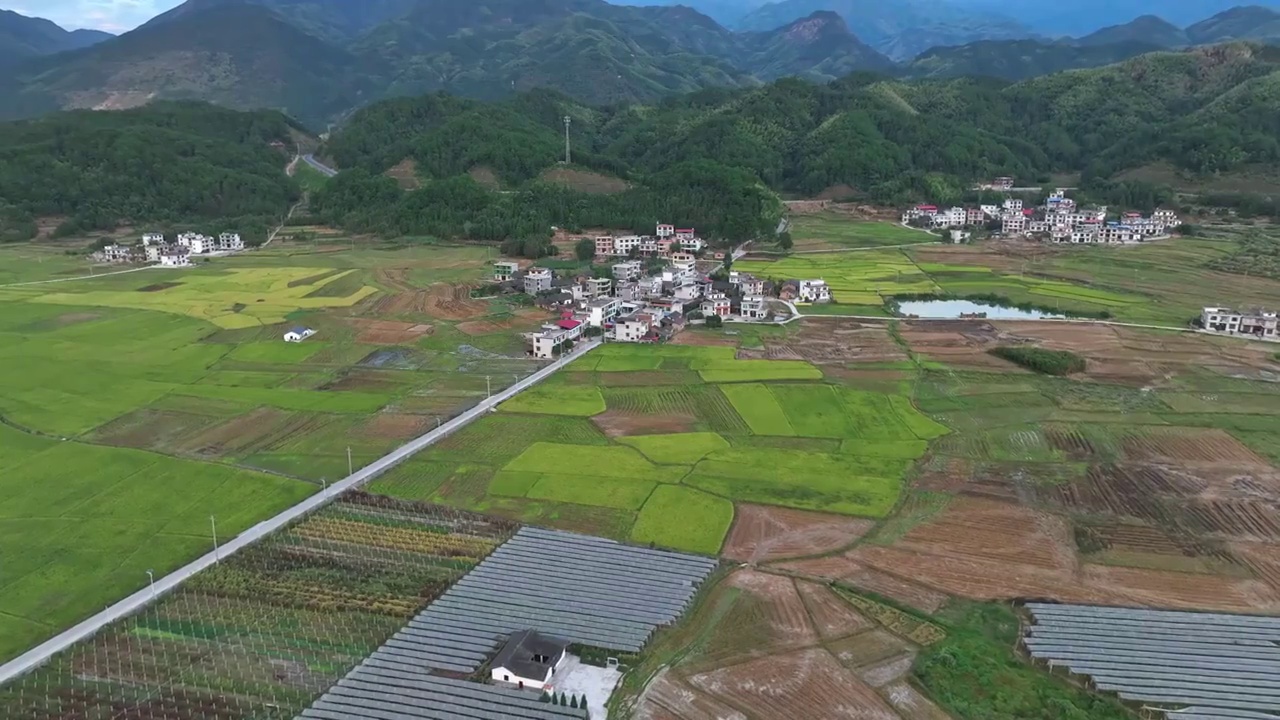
900,29
23,37
317,58
1022,59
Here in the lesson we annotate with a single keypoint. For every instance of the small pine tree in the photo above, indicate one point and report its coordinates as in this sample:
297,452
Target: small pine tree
573,702
563,700
546,697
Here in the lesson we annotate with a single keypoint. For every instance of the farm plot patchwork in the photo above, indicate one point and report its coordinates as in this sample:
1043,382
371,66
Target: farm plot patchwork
267,630
868,279
669,461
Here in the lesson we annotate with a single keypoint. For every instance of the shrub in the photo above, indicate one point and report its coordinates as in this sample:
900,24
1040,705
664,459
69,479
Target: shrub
714,321
1049,362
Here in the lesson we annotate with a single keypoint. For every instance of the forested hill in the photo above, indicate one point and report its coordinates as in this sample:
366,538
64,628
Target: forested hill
706,157
166,163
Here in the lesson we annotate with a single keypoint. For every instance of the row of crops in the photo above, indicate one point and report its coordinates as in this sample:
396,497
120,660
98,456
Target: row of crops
266,631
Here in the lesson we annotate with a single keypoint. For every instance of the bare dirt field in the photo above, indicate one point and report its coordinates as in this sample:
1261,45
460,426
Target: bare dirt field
524,318
832,616
703,339
618,424
388,332
832,341
394,426
911,704
848,570
987,549
405,173
669,698
762,533
782,610
794,685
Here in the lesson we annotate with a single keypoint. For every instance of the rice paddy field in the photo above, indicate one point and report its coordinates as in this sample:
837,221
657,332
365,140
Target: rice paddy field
835,231
135,407
602,448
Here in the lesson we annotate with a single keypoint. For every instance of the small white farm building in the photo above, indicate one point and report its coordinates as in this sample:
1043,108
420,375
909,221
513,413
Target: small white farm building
529,660
298,334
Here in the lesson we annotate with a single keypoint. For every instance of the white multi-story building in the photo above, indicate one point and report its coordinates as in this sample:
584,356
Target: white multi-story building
1013,205
604,245
633,328
602,310
177,257
153,252
814,291
230,242
196,243
753,307
626,244
149,239
537,280
626,271
1014,224
1256,323
504,270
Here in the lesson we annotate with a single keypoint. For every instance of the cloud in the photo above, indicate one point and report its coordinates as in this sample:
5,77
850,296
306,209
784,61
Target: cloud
115,16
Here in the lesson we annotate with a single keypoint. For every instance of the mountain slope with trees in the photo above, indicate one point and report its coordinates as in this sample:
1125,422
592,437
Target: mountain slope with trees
715,158
168,162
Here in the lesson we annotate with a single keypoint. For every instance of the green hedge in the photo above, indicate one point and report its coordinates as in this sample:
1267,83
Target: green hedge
1049,362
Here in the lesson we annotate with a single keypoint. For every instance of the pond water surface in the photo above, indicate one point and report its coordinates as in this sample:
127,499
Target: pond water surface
946,309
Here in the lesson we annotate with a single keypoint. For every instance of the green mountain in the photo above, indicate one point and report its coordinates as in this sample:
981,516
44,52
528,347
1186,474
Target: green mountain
167,163
901,29
23,37
1201,110
240,56
1242,23
1020,59
1146,30
316,59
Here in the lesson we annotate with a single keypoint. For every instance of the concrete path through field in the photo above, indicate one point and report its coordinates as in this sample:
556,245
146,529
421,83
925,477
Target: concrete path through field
41,654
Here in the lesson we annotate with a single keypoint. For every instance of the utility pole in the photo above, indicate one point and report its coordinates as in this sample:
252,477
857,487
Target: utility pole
350,471
213,524
568,156
151,577
488,389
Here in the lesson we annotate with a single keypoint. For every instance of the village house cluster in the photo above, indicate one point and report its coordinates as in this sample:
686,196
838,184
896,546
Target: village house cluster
155,248
645,300
1257,323
1059,220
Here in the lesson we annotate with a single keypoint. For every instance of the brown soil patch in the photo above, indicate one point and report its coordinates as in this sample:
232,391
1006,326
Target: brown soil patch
869,648
441,300
792,686
833,616
883,673
988,550
668,697
157,287
252,432
911,704
704,339
762,533
1263,559
1194,447
394,426
405,173
388,332
784,613
485,176
616,424
585,181
833,341
845,569
526,318
453,302
150,429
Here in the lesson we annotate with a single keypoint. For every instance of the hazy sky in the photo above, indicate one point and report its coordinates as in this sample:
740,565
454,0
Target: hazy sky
110,15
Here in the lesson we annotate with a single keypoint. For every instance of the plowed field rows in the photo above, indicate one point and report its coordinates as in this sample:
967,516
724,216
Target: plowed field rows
1208,446
794,686
986,530
833,617
783,610
669,697
847,570
761,533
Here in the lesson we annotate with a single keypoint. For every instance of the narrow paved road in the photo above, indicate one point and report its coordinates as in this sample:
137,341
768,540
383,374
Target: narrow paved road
40,654
79,277
313,162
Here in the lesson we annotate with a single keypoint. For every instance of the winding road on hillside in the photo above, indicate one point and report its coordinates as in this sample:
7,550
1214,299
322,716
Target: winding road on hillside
313,162
41,654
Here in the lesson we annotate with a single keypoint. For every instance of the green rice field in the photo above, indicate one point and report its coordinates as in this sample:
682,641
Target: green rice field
134,407
834,231
549,461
